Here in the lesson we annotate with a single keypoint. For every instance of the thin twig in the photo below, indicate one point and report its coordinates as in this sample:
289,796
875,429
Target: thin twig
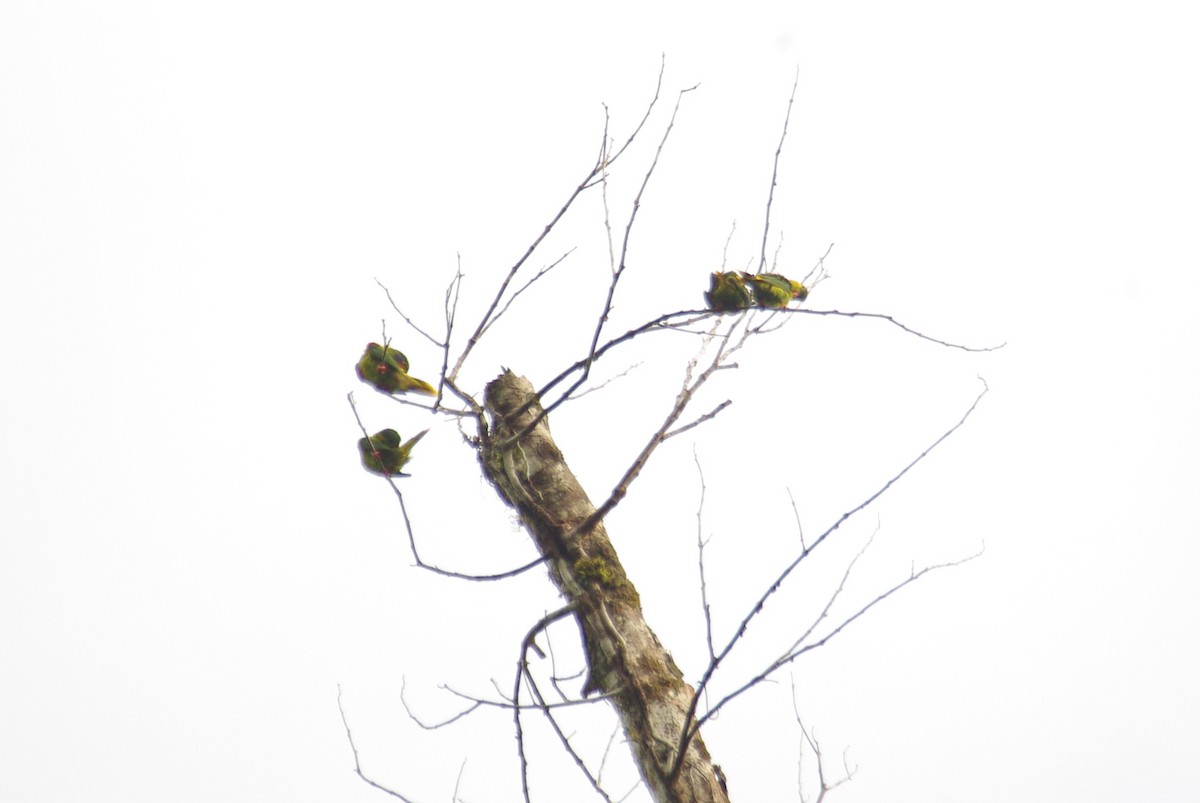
728,240
522,672
407,319
796,514
412,542
412,539
686,393
816,273
678,320
794,654
608,381
608,232
606,308
451,311
690,731
775,256
603,160
358,770
458,781
893,322
810,739
546,709
762,259
833,597
711,414
526,286
701,541
478,703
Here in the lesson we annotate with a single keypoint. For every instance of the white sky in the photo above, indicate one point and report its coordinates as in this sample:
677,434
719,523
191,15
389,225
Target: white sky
195,202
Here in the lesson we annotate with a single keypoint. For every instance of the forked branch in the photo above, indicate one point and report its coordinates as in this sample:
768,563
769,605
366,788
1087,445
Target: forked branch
696,722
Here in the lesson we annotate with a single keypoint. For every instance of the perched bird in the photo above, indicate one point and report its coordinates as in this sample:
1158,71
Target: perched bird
386,369
380,353
383,453
773,290
726,292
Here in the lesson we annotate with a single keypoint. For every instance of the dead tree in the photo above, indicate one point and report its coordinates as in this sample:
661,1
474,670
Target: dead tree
626,662
660,712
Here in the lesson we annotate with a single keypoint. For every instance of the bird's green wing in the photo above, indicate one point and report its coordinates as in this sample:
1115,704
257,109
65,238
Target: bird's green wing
726,292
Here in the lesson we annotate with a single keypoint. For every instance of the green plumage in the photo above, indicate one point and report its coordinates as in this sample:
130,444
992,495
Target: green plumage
386,369
774,290
726,292
384,454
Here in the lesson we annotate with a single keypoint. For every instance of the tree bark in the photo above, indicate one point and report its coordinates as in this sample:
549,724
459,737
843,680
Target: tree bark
625,659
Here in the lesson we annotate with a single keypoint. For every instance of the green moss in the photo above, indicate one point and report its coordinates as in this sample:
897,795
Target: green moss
607,575
598,570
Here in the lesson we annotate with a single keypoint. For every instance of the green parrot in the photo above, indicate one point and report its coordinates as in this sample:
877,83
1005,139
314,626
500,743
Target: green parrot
383,453
726,292
773,290
386,369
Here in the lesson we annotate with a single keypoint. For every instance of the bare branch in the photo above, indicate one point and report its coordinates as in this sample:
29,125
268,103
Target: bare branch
607,382
796,653
662,69
525,287
833,597
412,543
412,539
679,320
762,259
612,738
816,274
810,739
458,781
728,240
893,322
608,232
603,160
637,204
407,319
796,514
616,277
476,704
706,417
700,544
660,323
562,737
523,673
726,347
775,255
690,732
451,309
358,770
486,320
847,515
476,411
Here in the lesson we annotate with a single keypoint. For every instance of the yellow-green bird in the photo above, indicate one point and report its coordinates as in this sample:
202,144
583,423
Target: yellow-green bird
384,454
774,290
726,292
386,369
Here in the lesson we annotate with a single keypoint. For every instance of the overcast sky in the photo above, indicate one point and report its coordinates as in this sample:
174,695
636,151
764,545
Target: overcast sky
196,201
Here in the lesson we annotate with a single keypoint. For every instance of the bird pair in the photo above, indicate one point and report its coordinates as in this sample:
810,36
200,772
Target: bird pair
733,290
386,369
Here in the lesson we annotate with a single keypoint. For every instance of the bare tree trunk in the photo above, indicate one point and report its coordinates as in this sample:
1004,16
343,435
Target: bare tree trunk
626,661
